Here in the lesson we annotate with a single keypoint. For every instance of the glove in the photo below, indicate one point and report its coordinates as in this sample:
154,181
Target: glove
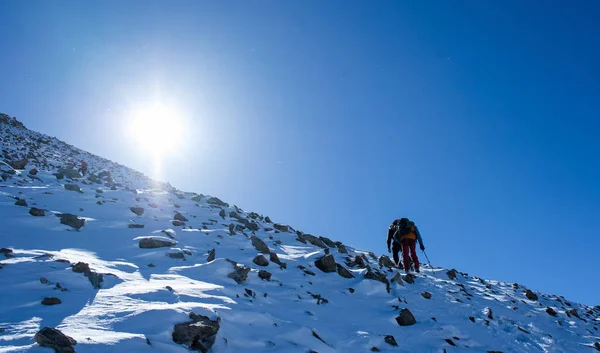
422,247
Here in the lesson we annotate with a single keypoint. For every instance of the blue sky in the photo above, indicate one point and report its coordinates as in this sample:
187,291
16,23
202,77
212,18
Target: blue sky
477,120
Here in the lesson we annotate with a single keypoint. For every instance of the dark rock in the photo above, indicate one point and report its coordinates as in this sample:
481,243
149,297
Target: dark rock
68,173
71,220
551,312
313,240
73,187
216,202
153,243
489,313
281,227
177,223
8,253
176,255
135,226
19,163
426,295
198,334
253,226
260,260
222,214
451,274
328,242
33,171
211,255
259,245
342,249
342,271
44,280
51,301
351,290
21,202
597,346
264,275
377,276
450,342
472,318
137,210
94,278
37,212
531,295
408,278
275,259
179,217
326,263
240,274
389,339
268,220
375,349
405,318
574,312
55,339
398,279
386,261
306,270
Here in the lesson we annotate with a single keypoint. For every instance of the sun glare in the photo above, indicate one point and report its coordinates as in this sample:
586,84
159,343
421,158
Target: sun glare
157,129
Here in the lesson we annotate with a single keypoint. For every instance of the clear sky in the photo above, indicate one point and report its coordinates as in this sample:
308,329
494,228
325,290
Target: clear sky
479,120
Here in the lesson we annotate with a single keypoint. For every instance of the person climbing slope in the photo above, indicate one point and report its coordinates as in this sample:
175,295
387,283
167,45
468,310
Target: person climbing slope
404,233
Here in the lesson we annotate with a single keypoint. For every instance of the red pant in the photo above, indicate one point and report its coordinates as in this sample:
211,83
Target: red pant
409,245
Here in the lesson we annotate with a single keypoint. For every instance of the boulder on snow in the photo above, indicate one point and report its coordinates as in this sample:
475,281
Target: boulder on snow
398,279
389,339
153,243
551,311
240,273
264,275
451,274
55,339
36,212
68,173
253,226
326,263
179,217
377,276
342,271
426,295
327,242
33,171
51,301
21,202
259,245
313,240
216,202
342,248
198,334
94,277
275,259
405,318
137,210
386,261
73,187
222,214
71,220
211,255
531,295
260,260
18,163
281,227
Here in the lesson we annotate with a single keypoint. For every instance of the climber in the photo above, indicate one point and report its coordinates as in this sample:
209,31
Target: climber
84,167
405,233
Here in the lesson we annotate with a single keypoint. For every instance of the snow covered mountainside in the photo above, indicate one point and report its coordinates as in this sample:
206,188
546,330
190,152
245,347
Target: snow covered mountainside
116,262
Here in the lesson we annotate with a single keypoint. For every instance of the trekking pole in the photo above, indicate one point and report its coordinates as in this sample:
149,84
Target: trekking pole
429,262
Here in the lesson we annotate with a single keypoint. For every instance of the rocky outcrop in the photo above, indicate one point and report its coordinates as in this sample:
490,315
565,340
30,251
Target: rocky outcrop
21,202
153,243
313,240
264,275
137,210
179,217
389,339
342,271
260,260
377,276
240,273
281,227
94,277
551,312
386,261
451,274
259,245
326,263
71,220
73,187
405,318
216,202
531,295
327,242
36,212
18,163
198,334
211,255
55,339
275,259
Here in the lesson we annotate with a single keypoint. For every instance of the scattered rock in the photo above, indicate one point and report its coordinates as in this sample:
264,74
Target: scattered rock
450,342
275,259
472,318
153,243
351,290
222,213
264,275
55,339
211,255
342,271
551,312
177,223
406,318
137,210
522,329
597,346
342,249
94,278
260,260
71,220
328,242
386,261
151,265
176,255
179,217
281,227
531,295
451,274
268,220
240,274
375,349
306,270
426,295
313,240
259,245
198,334
36,212
43,280
21,202
398,279
316,335
389,339
19,163
377,276
33,171
51,301
253,226
408,278
326,263
574,312
8,253
73,187
216,202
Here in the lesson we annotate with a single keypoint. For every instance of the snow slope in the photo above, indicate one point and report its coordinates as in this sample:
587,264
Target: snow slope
145,292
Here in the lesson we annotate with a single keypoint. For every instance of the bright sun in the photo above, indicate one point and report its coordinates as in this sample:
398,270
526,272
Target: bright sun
157,129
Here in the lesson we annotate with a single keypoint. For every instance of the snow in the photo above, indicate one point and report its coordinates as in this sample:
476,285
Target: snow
145,292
